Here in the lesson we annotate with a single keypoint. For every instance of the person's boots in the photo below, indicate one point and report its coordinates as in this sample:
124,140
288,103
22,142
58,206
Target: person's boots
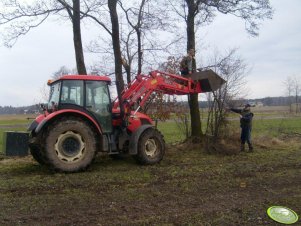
242,147
250,147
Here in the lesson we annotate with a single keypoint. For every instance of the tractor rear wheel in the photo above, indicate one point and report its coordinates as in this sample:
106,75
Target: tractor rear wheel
151,147
70,145
35,150
36,154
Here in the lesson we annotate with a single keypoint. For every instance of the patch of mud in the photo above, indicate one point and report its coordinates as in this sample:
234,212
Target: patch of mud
284,141
210,145
231,145
223,146
8,160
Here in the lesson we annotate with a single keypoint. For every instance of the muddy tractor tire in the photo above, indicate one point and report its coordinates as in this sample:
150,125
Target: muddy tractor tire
70,145
151,147
37,155
36,149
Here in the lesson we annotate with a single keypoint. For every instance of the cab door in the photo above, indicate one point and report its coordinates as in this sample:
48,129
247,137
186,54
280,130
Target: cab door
98,102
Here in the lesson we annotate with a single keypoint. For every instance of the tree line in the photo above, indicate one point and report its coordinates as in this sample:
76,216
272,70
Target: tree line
135,33
9,110
267,101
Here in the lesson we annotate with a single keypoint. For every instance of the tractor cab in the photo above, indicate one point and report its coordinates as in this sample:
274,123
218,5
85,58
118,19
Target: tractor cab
88,94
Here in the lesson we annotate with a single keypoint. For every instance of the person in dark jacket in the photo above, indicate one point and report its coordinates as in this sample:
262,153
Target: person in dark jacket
246,117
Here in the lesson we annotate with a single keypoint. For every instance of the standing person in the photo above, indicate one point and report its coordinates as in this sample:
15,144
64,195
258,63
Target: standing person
188,64
246,117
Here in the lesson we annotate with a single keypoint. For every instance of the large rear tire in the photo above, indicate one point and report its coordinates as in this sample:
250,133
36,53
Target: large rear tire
151,147
35,149
37,155
70,145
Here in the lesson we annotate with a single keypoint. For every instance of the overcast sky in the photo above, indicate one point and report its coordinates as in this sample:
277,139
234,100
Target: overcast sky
274,55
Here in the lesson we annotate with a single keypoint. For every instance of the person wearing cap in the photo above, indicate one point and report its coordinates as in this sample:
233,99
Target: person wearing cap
246,117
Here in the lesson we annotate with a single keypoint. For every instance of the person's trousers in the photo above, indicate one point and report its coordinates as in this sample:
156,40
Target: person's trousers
246,135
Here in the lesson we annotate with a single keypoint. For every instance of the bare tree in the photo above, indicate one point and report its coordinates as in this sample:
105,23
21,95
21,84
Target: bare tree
293,88
128,57
137,27
172,65
63,70
75,17
199,12
19,17
140,22
233,69
289,88
296,90
112,4
143,20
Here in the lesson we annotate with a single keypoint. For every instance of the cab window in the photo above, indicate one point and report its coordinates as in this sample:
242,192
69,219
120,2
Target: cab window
72,92
54,95
99,104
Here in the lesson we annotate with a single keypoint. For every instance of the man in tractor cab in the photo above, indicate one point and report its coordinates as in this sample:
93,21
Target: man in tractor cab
246,117
188,63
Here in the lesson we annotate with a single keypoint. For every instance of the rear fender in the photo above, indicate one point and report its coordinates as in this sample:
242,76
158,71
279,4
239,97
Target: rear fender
36,122
67,112
133,146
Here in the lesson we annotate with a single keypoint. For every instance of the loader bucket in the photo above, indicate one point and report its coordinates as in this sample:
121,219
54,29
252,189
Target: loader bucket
208,79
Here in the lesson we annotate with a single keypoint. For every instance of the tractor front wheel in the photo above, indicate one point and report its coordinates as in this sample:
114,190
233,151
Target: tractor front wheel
151,147
70,145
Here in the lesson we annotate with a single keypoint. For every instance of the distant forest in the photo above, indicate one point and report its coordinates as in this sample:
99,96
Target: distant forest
267,101
8,110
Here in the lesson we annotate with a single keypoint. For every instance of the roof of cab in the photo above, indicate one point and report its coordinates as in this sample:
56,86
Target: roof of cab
82,77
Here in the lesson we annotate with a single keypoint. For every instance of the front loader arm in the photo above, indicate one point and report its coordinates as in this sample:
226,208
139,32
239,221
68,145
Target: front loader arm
156,81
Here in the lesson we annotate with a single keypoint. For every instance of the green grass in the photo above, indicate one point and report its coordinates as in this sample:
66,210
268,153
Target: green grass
262,126
7,122
276,127
15,119
272,127
171,131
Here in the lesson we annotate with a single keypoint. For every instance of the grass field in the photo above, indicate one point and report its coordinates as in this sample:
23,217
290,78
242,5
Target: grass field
189,187
262,126
13,123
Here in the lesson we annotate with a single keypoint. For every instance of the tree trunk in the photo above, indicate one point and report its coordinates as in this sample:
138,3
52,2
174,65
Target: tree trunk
127,69
138,31
296,100
196,129
139,51
116,44
78,47
117,52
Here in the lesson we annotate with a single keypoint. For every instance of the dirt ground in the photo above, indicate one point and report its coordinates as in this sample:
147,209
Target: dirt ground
189,187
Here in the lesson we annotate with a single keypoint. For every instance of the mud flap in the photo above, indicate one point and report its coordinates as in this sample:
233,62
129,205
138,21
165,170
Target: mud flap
133,146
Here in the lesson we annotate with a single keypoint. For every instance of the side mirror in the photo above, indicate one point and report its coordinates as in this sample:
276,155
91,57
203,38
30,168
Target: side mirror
43,107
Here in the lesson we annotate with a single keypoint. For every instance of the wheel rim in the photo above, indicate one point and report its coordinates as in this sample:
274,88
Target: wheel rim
69,146
151,148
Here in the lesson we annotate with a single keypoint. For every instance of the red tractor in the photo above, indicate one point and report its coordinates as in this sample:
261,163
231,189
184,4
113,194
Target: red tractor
80,119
